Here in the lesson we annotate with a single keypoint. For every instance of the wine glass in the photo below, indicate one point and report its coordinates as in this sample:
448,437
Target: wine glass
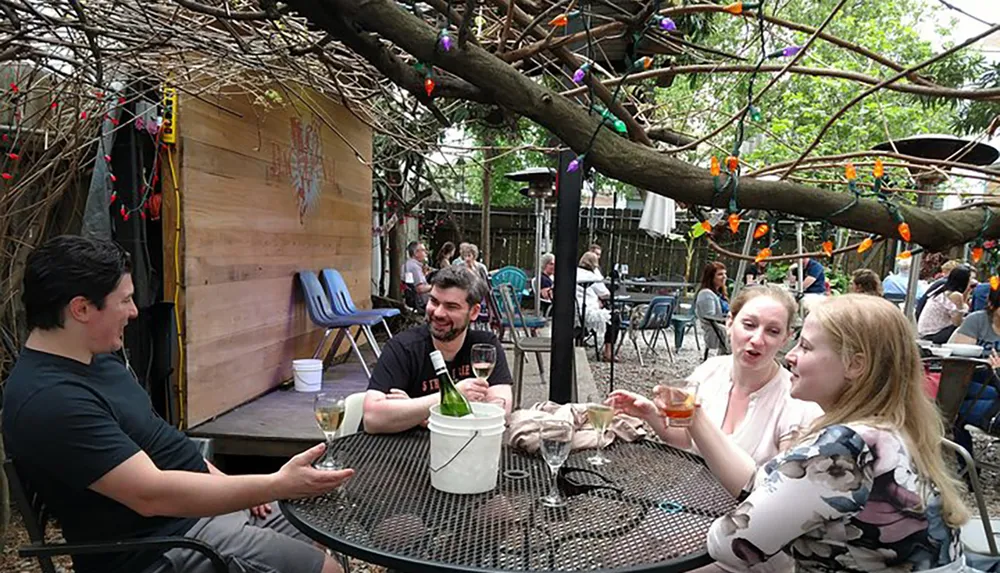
556,442
600,417
329,411
484,359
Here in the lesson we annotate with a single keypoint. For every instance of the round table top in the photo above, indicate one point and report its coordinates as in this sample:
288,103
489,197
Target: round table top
653,514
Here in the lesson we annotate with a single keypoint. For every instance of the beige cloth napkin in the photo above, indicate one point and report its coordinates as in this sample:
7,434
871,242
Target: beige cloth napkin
524,426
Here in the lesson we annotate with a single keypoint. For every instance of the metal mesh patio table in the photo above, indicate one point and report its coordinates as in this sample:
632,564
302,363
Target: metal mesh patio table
649,509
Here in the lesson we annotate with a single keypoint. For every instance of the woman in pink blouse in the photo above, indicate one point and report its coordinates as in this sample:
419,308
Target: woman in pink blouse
865,487
745,394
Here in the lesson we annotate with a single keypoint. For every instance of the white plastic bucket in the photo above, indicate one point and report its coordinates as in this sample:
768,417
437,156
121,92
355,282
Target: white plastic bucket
308,373
465,452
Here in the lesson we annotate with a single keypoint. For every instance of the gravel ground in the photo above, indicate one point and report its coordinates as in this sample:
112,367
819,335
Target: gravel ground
630,375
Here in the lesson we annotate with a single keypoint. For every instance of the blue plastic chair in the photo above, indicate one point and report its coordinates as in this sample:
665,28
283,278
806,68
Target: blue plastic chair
340,297
322,314
520,320
514,277
657,317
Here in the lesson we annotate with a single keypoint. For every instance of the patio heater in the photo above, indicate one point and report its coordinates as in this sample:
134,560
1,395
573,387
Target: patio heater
940,147
540,182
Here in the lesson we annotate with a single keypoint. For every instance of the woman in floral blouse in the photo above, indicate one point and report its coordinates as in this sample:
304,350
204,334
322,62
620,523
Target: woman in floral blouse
866,487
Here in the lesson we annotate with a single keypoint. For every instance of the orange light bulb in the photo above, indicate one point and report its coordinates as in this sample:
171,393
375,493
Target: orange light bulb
865,245
850,172
994,282
734,8
977,254
879,169
559,21
734,222
828,248
904,231
714,169
429,86
762,254
761,230
904,255
706,226
732,163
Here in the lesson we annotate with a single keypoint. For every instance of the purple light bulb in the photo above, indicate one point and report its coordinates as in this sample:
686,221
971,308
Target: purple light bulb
573,165
791,51
667,25
445,41
579,74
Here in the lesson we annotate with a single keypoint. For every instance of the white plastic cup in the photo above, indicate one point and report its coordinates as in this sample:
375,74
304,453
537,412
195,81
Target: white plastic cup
465,452
308,374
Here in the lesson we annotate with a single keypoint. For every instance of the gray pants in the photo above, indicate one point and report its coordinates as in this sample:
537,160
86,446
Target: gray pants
248,544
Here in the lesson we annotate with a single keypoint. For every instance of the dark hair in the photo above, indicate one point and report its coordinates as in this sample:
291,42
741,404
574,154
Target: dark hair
867,281
992,302
411,248
461,278
66,267
958,281
446,250
708,277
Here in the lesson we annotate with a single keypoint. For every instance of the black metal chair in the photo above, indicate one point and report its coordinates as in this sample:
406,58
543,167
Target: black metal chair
35,516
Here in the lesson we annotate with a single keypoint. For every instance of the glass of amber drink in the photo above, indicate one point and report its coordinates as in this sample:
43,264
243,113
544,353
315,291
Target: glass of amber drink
678,403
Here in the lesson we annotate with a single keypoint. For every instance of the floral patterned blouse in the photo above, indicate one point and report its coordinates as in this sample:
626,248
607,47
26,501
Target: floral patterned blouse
849,500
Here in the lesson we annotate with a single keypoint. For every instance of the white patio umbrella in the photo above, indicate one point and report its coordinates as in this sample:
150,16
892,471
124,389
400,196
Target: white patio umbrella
658,215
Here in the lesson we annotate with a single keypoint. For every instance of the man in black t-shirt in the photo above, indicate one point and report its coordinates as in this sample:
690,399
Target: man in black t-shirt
404,386
84,436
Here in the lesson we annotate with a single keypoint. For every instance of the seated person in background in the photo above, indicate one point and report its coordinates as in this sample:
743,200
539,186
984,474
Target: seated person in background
404,385
945,307
981,405
712,301
756,273
413,274
83,433
813,286
979,299
591,294
897,283
548,274
865,281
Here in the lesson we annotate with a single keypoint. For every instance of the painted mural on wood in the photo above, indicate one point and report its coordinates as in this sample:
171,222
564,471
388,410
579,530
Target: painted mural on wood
301,163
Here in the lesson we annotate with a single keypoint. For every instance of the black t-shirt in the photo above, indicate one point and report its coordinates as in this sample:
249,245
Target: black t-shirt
66,424
406,362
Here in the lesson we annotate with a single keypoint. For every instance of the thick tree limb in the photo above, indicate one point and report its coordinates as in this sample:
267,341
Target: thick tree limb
669,136
636,164
568,58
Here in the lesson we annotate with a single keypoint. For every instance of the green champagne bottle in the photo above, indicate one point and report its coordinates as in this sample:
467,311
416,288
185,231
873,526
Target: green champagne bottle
453,403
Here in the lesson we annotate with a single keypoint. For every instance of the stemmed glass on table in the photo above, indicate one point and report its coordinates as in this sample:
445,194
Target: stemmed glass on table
329,411
600,416
556,443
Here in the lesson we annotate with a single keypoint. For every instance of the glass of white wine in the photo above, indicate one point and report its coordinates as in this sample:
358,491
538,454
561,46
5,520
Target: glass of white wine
484,359
329,411
600,417
556,443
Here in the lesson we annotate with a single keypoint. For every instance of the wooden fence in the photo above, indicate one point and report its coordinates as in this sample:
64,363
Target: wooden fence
513,240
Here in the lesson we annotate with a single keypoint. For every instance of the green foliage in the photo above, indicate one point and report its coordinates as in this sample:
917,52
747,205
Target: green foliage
798,106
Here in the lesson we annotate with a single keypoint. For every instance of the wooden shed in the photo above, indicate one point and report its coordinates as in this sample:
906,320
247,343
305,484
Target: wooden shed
264,191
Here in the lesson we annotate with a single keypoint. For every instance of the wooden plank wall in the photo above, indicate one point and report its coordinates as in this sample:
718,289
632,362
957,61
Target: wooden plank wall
263,195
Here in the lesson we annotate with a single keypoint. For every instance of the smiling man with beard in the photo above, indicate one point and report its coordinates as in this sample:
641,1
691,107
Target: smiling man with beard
404,386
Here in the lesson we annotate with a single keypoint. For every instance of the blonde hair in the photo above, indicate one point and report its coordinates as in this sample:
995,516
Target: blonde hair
589,261
779,294
468,249
889,391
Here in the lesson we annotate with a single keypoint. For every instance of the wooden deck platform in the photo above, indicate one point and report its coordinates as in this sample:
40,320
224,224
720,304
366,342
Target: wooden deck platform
280,423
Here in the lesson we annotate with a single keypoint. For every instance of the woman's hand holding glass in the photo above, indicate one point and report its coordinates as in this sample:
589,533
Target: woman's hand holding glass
632,404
